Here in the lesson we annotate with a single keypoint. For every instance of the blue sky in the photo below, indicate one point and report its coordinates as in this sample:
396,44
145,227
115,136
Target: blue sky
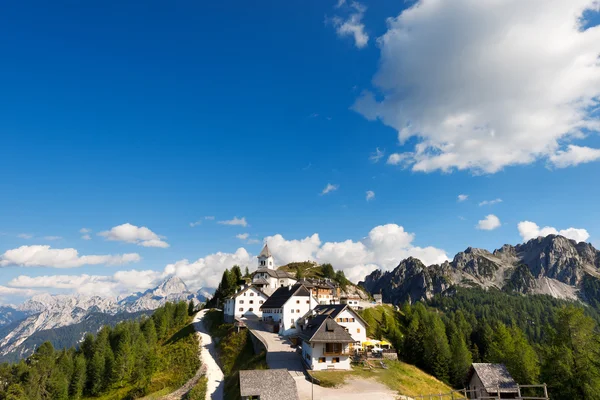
160,115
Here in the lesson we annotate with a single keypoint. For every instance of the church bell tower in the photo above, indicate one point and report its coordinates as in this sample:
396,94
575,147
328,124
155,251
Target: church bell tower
265,259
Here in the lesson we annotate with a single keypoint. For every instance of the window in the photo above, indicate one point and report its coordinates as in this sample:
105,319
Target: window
292,310
357,330
241,309
241,301
321,360
351,319
251,309
297,301
307,301
251,301
335,360
333,347
260,302
298,311
292,321
251,294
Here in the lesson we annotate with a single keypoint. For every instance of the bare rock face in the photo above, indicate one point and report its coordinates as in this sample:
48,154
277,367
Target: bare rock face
552,265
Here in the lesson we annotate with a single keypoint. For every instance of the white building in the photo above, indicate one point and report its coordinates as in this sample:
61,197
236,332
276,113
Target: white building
244,304
352,300
346,317
266,277
325,344
286,306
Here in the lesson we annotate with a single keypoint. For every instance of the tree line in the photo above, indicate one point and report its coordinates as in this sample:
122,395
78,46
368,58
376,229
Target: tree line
538,338
124,356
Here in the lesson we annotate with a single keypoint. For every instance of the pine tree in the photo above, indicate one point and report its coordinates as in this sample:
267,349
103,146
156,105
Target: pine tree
149,331
460,361
436,348
191,308
77,382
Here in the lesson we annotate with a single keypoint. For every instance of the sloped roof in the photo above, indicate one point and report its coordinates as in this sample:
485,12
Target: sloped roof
269,384
283,294
275,273
333,310
260,281
246,289
265,252
493,376
323,329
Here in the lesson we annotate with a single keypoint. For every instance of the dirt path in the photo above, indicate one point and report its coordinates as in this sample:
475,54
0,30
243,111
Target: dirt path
214,374
209,367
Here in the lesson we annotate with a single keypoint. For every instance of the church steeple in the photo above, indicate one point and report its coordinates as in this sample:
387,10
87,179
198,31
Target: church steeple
265,259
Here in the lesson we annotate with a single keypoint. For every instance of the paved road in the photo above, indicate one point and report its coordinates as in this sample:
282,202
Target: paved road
214,375
280,354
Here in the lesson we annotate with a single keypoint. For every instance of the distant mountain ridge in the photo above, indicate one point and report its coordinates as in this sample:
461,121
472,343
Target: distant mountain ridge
552,265
20,325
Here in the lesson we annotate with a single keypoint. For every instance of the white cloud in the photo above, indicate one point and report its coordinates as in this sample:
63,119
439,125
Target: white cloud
196,223
370,195
384,247
574,155
25,235
352,25
462,197
207,271
530,230
490,202
86,237
129,233
330,188
489,223
377,155
209,217
235,222
52,237
242,236
480,87
253,241
85,230
44,256
10,291
399,159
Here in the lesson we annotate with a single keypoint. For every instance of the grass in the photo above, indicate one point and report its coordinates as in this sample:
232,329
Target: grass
198,392
235,352
309,270
178,362
404,378
374,315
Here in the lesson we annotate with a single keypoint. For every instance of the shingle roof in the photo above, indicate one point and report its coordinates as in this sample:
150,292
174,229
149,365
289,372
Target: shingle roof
494,375
246,288
323,328
275,273
283,294
333,310
269,384
265,252
260,281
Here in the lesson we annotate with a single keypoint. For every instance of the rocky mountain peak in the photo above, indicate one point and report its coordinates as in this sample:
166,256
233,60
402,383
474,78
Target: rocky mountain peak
172,285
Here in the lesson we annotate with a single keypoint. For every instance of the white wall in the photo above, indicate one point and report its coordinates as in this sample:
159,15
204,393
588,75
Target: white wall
316,352
356,329
300,306
240,305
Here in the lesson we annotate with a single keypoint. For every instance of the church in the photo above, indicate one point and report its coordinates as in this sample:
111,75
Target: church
247,302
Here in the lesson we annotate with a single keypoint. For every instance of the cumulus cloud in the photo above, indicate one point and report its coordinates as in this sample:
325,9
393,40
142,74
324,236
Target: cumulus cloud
384,247
85,230
489,223
574,155
352,25
530,230
11,291
399,159
195,223
85,233
44,256
462,197
86,237
370,195
377,155
329,188
480,87
490,202
129,233
242,236
235,222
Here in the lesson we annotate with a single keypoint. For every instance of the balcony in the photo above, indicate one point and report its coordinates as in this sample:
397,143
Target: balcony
336,353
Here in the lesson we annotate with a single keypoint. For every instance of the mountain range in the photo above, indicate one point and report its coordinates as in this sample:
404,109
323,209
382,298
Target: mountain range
64,319
551,265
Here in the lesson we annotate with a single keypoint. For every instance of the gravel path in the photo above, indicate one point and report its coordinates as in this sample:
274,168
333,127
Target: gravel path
208,356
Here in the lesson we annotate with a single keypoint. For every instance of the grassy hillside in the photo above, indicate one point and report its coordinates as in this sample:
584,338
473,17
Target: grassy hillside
374,317
235,352
307,269
404,378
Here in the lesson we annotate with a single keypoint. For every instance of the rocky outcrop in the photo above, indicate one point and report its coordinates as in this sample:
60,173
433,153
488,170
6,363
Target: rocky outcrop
552,265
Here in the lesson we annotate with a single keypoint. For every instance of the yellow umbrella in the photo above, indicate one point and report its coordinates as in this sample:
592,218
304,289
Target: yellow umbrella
385,343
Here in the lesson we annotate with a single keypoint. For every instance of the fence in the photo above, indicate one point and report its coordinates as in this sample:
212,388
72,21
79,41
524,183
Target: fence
475,394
